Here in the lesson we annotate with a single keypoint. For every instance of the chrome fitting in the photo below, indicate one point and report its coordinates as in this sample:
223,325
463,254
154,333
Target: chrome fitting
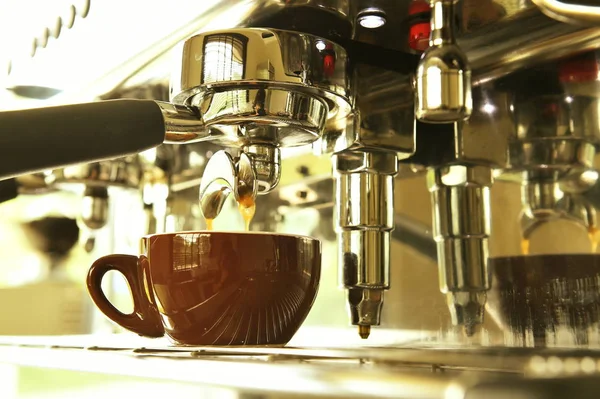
365,197
461,227
443,80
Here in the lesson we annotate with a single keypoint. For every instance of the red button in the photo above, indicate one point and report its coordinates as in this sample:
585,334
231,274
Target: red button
328,65
418,36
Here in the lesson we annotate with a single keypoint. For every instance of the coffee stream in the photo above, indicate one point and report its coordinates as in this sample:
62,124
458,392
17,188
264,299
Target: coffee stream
594,238
525,246
246,207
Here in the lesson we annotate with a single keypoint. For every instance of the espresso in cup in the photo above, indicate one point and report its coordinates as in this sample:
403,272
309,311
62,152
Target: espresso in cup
215,288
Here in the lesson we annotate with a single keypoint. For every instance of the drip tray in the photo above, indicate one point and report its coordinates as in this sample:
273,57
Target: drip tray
409,371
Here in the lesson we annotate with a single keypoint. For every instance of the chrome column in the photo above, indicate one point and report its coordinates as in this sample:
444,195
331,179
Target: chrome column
461,226
365,214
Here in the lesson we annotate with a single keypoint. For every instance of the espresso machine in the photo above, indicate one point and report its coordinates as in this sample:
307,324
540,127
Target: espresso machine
465,95
374,104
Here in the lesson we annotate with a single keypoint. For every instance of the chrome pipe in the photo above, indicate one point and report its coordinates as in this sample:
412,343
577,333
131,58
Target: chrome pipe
460,197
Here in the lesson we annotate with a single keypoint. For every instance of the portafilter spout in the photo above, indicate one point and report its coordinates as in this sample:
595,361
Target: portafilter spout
223,176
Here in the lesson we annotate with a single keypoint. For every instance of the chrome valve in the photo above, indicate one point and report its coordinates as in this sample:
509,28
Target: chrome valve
365,198
443,80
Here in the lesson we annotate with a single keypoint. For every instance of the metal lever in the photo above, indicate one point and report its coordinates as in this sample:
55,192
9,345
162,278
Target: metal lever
443,80
223,176
570,13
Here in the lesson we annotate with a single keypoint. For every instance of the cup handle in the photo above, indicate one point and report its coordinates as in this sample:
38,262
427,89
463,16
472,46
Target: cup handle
145,319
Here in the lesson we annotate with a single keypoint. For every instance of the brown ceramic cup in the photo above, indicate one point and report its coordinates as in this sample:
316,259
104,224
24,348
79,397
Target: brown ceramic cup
215,288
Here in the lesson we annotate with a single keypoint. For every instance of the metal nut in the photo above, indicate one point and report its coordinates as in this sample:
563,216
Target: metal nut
459,175
380,162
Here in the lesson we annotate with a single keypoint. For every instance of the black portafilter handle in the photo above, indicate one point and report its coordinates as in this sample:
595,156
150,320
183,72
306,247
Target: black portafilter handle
9,189
33,140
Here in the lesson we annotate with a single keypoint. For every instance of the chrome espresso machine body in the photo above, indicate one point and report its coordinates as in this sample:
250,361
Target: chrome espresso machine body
462,94
447,87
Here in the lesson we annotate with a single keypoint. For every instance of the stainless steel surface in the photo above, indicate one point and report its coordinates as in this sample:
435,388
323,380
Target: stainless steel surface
222,176
364,201
570,12
461,227
255,372
383,117
442,373
384,103
221,58
547,41
443,77
517,99
365,304
574,103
